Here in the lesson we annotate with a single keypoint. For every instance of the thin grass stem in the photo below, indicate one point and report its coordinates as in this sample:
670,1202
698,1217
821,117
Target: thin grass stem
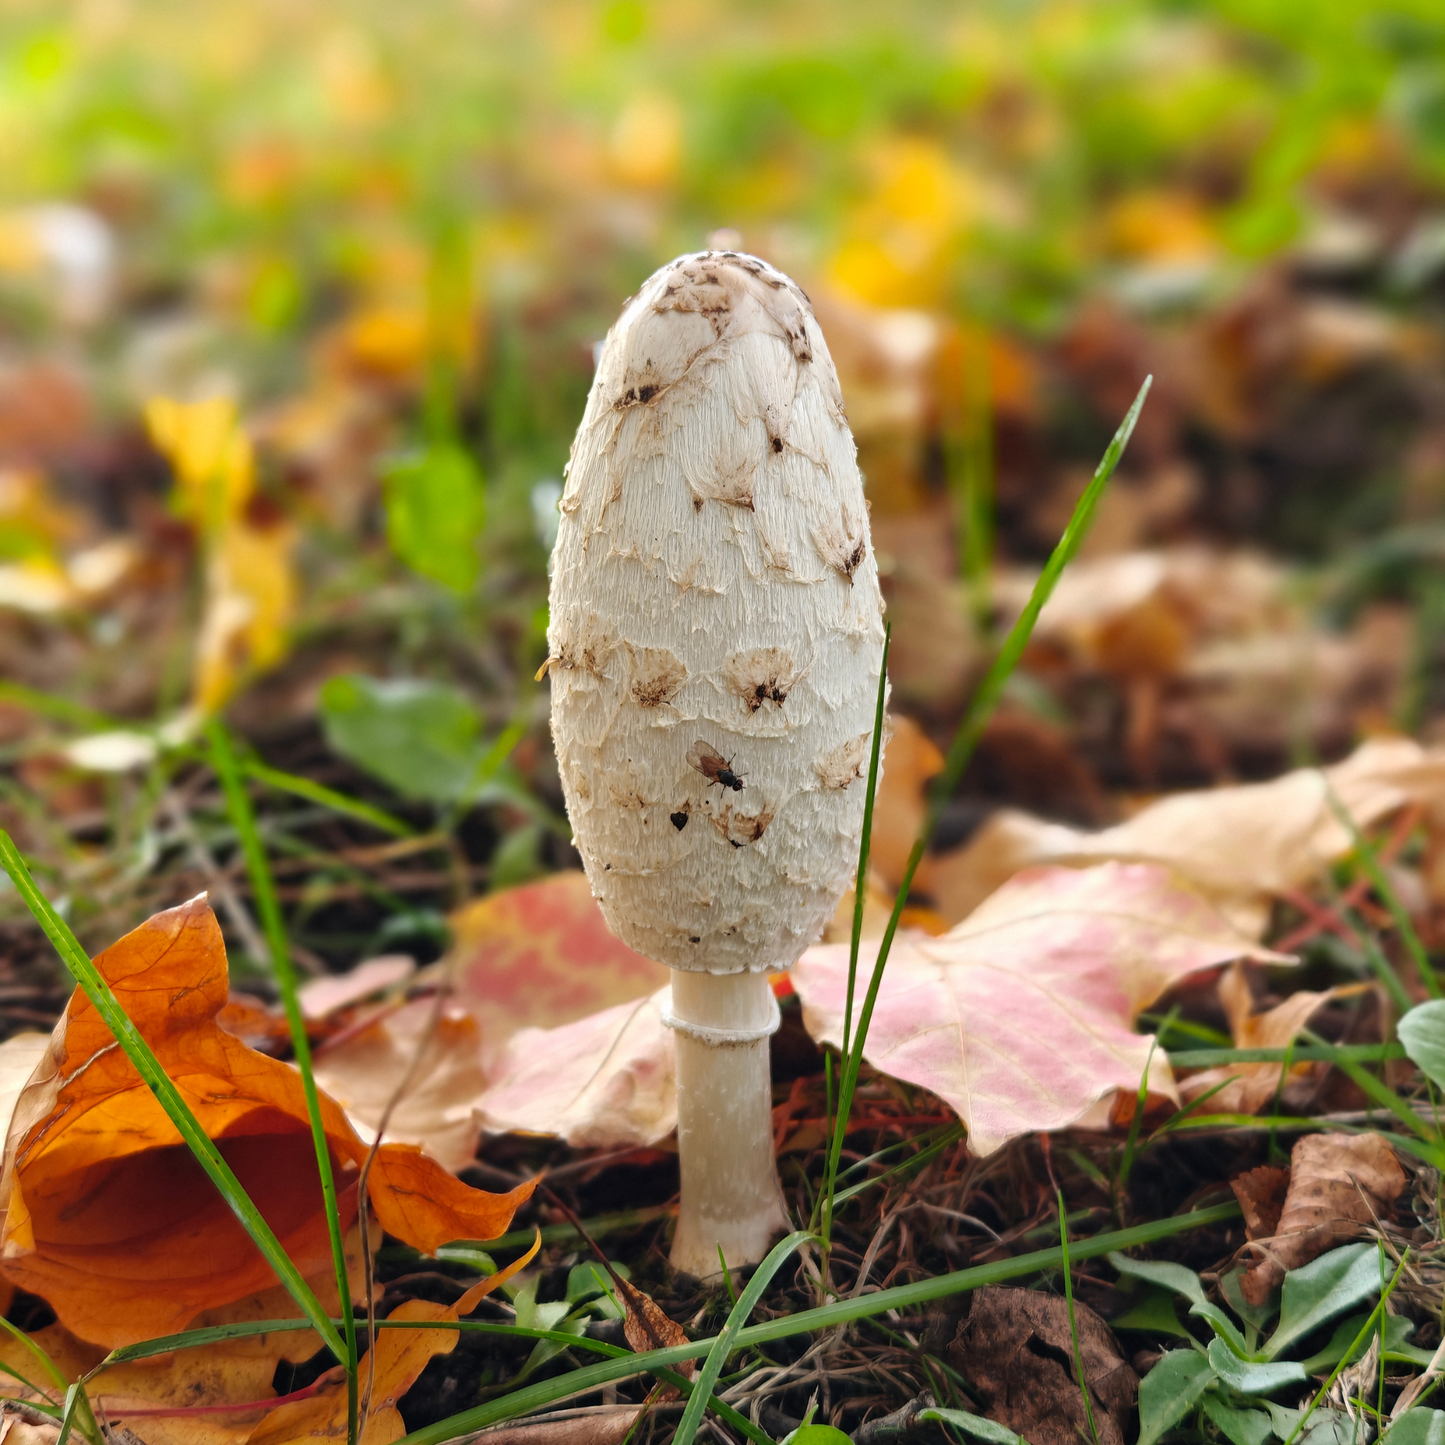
1073,1319
970,730
263,890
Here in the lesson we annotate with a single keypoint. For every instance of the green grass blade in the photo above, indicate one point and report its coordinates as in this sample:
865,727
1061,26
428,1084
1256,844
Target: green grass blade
839,1312
263,890
1303,1053
46,1363
860,883
326,797
970,730
1073,1320
59,708
43,1406
1379,881
723,1345
951,1135
138,1051
826,1201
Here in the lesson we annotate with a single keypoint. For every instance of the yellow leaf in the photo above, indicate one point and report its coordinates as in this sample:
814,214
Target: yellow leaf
207,449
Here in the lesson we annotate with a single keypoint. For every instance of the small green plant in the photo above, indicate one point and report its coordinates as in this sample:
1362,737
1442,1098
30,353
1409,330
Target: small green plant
1233,1378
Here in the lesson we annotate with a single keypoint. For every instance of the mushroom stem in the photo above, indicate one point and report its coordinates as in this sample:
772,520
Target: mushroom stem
731,1197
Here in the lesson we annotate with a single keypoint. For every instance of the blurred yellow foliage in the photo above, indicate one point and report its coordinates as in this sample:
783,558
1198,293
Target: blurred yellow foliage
250,586
32,522
386,340
899,240
1159,225
646,142
208,451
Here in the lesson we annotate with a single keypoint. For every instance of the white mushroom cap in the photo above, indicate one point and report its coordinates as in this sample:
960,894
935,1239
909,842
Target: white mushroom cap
714,583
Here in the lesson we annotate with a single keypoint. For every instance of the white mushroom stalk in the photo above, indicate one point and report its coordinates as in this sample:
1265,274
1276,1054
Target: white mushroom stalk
716,634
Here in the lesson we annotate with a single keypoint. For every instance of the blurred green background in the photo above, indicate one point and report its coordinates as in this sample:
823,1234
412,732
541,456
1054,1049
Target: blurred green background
298,309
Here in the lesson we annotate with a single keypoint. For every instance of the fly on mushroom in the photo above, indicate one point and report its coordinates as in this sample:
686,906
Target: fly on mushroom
713,766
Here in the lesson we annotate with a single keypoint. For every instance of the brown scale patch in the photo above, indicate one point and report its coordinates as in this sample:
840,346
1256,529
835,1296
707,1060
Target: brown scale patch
657,675
842,544
740,829
588,647
730,483
766,674
839,767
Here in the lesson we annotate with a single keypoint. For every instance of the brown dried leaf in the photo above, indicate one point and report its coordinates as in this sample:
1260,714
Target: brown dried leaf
1252,1086
647,1328
1241,846
610,1426
1261,1194
1338,1184
1016,1349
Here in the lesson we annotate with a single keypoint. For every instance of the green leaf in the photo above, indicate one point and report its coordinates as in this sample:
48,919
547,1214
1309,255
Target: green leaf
1170,1276
586,1281
1251,1378
975,1425
420,738
1326,1427
1152,1310
1170,1391
1256,1316
1319,1291
1241,1427
823,1435
1422,1031
1224,1329
517,858
435,507
1417,1427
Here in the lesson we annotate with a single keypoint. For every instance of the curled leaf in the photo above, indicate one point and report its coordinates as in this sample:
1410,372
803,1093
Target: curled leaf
109,1217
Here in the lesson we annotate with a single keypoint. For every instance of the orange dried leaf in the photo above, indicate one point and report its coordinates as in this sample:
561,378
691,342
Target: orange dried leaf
401,1356
109,1217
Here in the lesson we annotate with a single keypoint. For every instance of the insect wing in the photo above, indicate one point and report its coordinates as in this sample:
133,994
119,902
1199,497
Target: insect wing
706,759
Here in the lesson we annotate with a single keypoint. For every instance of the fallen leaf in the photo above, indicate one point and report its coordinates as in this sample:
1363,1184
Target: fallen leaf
19,1055
1242,846
401,1356
1017,1349
1261,1193
1251,1086
646,1327
610,1425
322,996
1339,1184
1020,1018
216,1394
109,1217
542,955
362,1072
605,1081
250,586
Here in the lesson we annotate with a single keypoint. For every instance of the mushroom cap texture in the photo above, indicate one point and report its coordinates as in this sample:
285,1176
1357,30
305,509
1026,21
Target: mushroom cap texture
715,602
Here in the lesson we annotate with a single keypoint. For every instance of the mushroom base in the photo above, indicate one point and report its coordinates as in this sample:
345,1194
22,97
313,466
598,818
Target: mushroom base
731,1198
